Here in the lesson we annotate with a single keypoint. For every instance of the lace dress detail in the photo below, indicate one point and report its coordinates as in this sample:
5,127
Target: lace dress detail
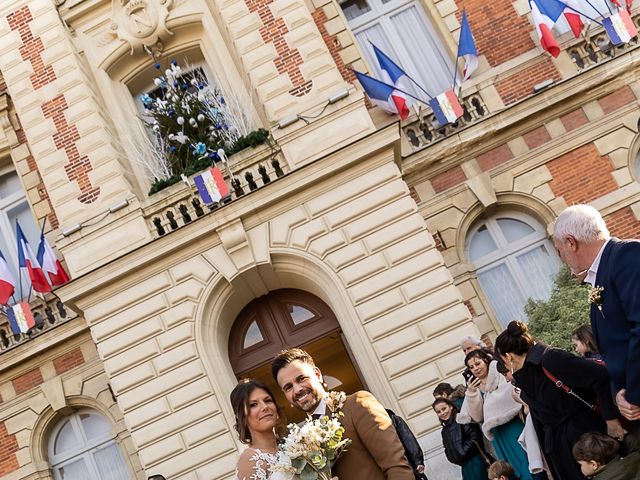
264,461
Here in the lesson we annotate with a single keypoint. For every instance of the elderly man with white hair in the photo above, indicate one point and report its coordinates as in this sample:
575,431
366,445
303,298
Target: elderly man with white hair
612,268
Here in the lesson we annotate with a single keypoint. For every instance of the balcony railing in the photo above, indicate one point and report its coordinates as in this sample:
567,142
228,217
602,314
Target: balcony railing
426,129
47,315
596,48
179,205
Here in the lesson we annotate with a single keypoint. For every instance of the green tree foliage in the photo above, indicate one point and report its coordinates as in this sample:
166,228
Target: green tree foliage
553,320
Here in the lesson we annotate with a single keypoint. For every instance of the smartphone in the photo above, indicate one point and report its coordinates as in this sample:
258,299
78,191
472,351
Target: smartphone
468,376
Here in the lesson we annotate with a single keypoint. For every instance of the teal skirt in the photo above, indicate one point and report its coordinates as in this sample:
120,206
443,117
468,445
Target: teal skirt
475,469
505,443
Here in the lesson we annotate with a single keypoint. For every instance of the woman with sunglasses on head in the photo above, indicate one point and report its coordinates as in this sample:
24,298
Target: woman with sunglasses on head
561,391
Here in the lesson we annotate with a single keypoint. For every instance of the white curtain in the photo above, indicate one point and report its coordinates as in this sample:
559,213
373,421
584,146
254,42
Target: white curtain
73,471
539,268
110,463
504,295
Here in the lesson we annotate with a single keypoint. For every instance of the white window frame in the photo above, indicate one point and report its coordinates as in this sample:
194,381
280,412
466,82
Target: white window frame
507,253
381,13
85,450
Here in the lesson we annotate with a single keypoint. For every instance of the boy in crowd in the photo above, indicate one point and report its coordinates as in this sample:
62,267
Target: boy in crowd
501,470
599,459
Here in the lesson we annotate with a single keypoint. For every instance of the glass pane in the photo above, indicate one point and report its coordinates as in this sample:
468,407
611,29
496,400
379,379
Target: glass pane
354,8
253,335
66,439
481,244
74,471
299,314
9,185
110,463
514,229
94,426
539,267
504,295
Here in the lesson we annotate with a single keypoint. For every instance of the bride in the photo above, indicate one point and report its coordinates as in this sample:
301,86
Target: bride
257,420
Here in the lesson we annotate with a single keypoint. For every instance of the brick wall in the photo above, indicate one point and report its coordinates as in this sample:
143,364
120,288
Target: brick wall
536,137
448,179
581,175
623,224
617,99
68,361
492,23
27,381
8,449
333,44
520,84
494,157
574,119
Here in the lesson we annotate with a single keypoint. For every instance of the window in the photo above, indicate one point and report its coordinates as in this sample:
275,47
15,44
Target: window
14,206
401,29
514,261
81,446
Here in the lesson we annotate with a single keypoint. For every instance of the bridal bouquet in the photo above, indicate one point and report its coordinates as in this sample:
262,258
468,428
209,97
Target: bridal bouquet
311,449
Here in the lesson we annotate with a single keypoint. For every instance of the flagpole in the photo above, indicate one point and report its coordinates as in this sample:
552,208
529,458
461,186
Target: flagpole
19,269
410,78
44,222
581,13
398,89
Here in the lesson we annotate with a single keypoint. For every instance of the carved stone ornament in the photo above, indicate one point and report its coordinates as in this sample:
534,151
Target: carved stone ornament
140,22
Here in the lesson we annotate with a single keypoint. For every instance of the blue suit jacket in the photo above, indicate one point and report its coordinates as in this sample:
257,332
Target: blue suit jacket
617,326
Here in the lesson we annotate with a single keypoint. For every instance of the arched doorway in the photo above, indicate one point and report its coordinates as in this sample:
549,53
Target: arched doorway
291,318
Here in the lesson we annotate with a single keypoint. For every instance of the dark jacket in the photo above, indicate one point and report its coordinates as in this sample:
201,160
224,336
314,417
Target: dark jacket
558,417
461,442
627,468
617,326
412,449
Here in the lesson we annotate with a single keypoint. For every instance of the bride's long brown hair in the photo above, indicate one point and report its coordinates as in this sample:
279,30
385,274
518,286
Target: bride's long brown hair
239,399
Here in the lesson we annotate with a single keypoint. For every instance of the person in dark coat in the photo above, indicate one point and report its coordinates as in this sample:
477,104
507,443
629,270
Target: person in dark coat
612,268
559,418
600,457
462,443
412,449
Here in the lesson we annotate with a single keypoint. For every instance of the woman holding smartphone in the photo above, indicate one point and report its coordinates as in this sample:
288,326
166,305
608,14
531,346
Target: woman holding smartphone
489,401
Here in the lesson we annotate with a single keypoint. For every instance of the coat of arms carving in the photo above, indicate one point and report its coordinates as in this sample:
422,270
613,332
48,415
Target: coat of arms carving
140,22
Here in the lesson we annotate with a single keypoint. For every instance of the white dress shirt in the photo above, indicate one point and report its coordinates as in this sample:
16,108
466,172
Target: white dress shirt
321,409
593,269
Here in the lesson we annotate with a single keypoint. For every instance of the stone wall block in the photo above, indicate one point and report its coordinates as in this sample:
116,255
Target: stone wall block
419,286
280,227
173,358
187,290
344,256
180,333
437,324
621,137
194,267
129,317
132,377
146,414
401,340
380,305
199,432
190,393
380,218
622,177
363,269
129,337
160,450
530,180
327,243
134,356
393,232
306,232
415,379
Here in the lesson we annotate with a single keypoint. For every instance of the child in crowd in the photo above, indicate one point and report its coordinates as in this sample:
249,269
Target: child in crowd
585,343
445,390
501,470
599,459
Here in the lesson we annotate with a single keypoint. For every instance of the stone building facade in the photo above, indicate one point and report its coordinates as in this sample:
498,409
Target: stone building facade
368,241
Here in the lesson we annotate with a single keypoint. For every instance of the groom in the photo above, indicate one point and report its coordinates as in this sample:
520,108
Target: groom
612,267
375,452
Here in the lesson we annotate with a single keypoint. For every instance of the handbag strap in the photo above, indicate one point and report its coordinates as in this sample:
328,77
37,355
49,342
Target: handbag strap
558,383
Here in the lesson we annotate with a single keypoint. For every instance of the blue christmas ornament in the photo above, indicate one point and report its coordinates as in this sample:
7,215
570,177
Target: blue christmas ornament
201,86
157,65
146,100
172,148
213,155
200,148
174,63
171,112
184,87
221,99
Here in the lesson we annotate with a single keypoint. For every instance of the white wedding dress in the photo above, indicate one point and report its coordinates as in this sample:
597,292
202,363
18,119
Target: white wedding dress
263,466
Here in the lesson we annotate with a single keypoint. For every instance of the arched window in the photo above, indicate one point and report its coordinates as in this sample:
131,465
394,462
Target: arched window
81,446
514,261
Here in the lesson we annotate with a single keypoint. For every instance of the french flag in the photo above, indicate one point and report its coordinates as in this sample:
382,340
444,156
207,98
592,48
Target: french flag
467,48
20,318
211,186
394,75
383,95
545,14
446,107
573,13
26,259
619,27
50,263
7,282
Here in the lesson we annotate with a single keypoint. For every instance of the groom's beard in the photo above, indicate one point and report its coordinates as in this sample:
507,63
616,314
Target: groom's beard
307,400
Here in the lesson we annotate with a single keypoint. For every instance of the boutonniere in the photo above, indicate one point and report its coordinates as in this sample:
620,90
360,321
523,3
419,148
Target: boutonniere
595,297
335,402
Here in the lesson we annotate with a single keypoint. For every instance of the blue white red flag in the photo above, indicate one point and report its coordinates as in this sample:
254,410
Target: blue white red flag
467,48
394,75
7,282
26,259
573,13
50,263
211,186
619,27
446,107
20,318
383,95
545,14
